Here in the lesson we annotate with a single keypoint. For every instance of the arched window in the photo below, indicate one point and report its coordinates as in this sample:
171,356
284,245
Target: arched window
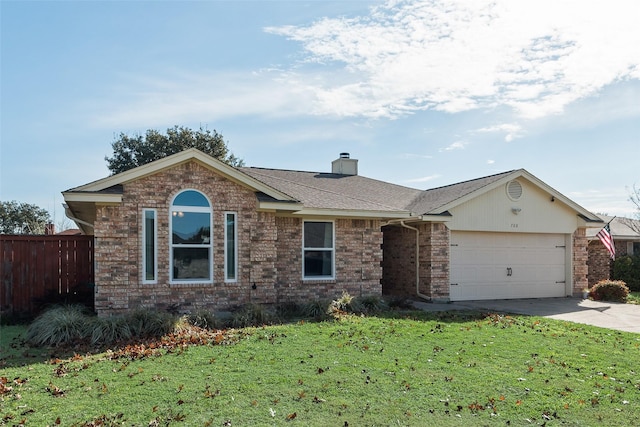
191,243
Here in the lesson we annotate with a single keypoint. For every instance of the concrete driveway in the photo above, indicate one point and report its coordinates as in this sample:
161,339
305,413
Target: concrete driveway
611,315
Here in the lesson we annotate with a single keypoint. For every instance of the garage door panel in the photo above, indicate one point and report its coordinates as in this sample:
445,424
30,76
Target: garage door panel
506,265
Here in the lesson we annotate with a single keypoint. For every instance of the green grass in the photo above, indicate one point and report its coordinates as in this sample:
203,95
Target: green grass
440,369
633,298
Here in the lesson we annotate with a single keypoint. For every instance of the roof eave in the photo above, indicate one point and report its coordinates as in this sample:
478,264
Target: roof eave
175,159
91,197
583,213
354,213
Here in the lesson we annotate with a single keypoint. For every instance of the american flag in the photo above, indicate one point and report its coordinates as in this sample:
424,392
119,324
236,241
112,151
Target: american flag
607,240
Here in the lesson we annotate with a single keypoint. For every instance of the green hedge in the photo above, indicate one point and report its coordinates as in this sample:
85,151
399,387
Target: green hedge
627,269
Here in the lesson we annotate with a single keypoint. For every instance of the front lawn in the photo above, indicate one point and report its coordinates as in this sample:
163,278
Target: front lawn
456,368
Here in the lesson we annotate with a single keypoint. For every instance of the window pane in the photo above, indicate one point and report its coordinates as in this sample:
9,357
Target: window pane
191,228
230,248
318,235
317,263
191,263
191,198
149,245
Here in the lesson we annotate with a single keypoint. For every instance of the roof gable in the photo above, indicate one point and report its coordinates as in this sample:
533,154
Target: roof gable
440,200
192,154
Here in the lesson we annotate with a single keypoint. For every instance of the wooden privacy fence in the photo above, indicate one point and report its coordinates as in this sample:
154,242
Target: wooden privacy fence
37,270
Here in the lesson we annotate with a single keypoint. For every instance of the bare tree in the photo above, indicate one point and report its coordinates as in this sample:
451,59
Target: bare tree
634,197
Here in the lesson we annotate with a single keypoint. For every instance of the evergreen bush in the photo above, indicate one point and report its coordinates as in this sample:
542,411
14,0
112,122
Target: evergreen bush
627,269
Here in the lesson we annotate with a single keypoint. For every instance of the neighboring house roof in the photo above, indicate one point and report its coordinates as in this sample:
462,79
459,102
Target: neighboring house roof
312,193
621,228
70,232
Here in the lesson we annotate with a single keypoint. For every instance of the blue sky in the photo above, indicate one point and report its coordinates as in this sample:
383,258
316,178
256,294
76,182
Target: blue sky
422,93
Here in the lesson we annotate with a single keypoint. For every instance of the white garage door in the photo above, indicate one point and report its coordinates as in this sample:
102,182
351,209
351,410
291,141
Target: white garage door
506,265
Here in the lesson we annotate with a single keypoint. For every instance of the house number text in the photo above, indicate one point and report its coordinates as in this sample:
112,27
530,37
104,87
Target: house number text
514,225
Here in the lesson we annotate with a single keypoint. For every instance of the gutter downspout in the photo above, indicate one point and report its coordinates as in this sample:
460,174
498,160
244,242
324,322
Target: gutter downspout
418,293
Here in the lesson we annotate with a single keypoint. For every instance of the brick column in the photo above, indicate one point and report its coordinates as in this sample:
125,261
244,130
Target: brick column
434,261
580,259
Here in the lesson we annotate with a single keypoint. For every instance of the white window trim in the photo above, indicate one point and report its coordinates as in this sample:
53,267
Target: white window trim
235,249
155,247
333,252
178,208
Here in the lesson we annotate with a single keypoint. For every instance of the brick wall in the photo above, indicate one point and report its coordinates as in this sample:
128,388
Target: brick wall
357,261
399,261
435,258
599,262
269,250
399,271
580,259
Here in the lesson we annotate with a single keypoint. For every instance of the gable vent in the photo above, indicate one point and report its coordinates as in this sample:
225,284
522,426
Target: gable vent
514,190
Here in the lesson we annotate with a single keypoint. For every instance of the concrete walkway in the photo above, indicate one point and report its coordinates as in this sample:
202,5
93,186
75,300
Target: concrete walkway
611,315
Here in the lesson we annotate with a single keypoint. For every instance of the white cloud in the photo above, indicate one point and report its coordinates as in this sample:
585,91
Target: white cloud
535,56
454,146
490,162
610,201
424,178
511,130
414,156
180,97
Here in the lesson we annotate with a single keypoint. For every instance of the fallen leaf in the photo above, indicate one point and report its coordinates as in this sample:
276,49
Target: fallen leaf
291,416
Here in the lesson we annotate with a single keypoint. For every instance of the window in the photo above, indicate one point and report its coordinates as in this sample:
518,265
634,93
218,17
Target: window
230,247
318,250
149,244
191,245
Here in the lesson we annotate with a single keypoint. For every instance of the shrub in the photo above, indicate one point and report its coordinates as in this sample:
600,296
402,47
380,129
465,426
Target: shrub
369,304
252,315
59,325
109,330
145,322
290,310
203,319
340,306
316,309
609,290
627,269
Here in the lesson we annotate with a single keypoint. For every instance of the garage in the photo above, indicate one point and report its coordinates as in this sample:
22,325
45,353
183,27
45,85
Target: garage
494,265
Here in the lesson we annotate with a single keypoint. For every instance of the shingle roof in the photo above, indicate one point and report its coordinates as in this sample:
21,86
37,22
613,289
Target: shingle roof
429,201
621,228
333,191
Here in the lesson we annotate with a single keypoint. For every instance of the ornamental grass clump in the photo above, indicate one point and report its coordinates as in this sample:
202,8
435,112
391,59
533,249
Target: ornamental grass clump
145,322
109,330
252,315
59,326
610,290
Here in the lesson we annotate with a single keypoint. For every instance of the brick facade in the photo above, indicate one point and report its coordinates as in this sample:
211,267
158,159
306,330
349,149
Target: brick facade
600,262
580,261
398,265
269,250
370,259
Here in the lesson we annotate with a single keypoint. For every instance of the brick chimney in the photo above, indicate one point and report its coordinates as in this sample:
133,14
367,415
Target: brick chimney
344,165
